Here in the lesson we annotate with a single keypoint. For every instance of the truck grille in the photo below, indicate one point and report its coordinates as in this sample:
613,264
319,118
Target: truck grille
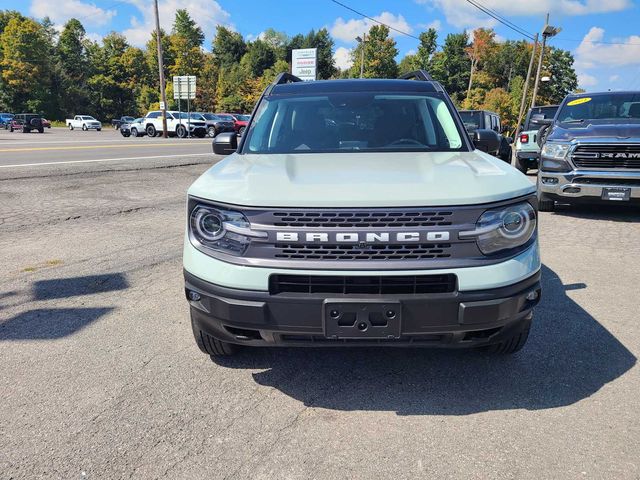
368,284
356,252
621,156
379,219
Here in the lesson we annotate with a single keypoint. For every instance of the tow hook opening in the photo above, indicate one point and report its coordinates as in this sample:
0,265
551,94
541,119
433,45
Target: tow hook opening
243,333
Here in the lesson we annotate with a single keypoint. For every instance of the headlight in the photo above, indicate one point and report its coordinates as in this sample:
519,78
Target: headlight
221,230
504,228
557,151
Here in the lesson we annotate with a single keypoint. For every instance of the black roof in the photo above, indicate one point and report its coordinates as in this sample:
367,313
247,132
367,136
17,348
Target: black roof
614,92
354,85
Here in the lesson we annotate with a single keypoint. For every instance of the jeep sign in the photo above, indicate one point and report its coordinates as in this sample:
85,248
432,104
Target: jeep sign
304,63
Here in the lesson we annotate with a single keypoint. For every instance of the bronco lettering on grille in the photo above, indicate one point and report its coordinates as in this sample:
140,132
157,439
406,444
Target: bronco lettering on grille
356,237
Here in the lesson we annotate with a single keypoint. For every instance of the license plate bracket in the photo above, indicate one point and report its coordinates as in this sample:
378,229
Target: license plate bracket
347,319
616,194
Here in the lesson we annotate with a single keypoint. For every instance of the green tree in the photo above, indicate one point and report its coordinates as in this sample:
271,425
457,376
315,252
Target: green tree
228,47
24,65
187,28
451,66
379,55
258,58
559,67
426,48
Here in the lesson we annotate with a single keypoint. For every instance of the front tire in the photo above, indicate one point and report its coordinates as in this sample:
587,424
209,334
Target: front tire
211,345
84,127
151,131
41,130
181,131
512,344
99,129
134,132
211,132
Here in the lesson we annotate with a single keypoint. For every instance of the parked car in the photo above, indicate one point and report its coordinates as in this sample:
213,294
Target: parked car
399,232
178,124
217,124
591,151
116,123
135,128
85,122
527,148
484,120
5,119
26,122
46,123
240,120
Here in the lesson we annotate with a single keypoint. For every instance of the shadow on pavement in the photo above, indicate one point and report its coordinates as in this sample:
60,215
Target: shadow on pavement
569,357
614,213
77,286
49,323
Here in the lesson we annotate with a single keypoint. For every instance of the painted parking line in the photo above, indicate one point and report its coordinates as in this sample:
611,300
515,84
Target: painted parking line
88,147
66,162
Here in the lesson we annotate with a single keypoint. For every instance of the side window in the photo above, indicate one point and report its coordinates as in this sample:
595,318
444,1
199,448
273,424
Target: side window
496,123
153,115
487,121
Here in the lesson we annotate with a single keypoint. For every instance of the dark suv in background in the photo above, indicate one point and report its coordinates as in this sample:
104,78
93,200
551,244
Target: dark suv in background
26,122
485,120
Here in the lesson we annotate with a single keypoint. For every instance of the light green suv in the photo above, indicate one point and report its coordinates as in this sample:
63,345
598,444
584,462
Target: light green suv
360,213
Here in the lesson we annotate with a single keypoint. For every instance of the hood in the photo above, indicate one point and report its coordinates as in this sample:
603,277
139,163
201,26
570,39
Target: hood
361,180
566,132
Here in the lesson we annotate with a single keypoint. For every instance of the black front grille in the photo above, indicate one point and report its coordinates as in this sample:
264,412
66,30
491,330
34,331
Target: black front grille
369,252
607,156
377,219
366,284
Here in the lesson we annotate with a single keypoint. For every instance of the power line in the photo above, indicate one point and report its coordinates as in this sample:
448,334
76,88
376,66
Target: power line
501,19
374,20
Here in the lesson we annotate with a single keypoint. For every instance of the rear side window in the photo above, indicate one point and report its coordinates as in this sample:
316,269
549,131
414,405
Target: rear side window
353,122
153,115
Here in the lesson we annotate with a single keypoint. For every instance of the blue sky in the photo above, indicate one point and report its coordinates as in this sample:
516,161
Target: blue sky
604,35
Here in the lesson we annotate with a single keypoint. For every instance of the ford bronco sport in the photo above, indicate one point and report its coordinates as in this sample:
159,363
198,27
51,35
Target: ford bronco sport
591,151
358,212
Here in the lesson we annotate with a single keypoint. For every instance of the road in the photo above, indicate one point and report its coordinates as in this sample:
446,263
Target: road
100,376
61,146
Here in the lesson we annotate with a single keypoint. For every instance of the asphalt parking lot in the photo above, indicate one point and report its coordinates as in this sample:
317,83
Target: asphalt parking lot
100,376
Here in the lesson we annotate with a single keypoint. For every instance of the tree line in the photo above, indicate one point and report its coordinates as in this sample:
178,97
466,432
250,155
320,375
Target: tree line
63,73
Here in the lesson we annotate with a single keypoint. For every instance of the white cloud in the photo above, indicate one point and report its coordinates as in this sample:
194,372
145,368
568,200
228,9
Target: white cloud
94,37
436,25
62,10
342,57
590,54
585,80
614,78
206,13
462,14
348,30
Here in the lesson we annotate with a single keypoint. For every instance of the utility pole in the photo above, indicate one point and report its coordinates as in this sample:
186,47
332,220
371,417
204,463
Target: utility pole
362,42
548,32
525,89
163,95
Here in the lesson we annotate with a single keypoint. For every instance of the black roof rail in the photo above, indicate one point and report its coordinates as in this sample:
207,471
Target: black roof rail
421,75
281,79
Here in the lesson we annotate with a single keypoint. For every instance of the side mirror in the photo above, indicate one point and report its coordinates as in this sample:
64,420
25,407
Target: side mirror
545,121
486,140
225,143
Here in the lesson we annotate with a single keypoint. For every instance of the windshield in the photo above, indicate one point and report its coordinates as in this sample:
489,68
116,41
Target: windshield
610,106
540,113
226,118
471,120
243,118
185,115
210,116
353,122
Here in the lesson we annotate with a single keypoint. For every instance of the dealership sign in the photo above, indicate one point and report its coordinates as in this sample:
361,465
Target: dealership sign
304,63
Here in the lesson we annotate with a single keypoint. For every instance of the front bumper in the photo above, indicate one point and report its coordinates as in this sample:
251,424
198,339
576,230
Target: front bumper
91,126
588,185
457,319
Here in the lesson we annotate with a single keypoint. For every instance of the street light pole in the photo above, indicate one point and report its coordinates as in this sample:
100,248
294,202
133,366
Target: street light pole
548,32
525,90
163,95
362,42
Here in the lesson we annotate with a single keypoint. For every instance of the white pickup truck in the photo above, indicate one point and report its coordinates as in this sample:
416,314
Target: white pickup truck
85,122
